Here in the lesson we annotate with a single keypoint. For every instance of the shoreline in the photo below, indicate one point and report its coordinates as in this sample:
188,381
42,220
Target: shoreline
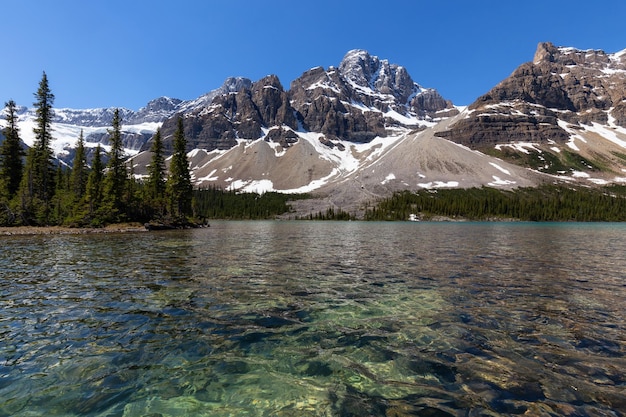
64,230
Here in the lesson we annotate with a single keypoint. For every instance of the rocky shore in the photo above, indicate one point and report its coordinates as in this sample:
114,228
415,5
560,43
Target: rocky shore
60,230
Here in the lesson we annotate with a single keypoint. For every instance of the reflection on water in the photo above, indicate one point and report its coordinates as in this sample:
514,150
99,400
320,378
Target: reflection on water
317,319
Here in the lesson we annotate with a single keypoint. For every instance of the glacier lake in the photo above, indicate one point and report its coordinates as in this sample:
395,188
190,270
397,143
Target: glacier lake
301,318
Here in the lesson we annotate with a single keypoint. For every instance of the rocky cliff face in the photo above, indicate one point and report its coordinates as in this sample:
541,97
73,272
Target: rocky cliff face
242,114
363,98
561,84
358,100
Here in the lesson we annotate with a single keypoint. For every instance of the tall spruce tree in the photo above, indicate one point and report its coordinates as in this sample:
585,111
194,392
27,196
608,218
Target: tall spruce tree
11,154
78,179
37,186
156,169
156,183
117,174
93,190
179,187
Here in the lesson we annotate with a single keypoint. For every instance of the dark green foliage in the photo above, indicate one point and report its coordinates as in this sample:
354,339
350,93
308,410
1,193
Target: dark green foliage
179,187
11,154
155,185
93,190
215,203
115,187
37,185
546,203
79,170
329,214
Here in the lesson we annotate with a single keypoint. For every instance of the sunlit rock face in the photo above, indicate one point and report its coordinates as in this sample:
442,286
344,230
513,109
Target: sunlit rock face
578,87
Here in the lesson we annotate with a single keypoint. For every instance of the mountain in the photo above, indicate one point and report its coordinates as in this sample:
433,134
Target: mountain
138,126
359,131
364,98
564,114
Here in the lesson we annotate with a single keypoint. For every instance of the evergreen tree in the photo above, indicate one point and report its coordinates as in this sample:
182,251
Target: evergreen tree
78,179
179,187
11,154
93,189
37,186
117,174
156,174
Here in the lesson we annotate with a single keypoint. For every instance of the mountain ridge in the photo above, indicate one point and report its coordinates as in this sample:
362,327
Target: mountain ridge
364,129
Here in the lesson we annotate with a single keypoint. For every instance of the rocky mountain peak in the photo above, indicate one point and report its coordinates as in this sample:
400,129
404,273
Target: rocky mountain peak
359,67
240,109
156,110
548,102
357,101
546,52
230,85
377,75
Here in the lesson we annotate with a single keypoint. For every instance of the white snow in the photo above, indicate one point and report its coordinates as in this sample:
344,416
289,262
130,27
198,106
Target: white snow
389,177
608,134
520,147
209,177
439,184
572,145
254,186
499,168
65,136
325,86
278,149
499,181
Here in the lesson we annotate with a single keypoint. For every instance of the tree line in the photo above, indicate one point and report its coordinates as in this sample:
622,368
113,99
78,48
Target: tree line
37,190
545,203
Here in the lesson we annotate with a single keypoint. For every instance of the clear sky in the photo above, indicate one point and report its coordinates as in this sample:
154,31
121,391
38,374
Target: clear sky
123,53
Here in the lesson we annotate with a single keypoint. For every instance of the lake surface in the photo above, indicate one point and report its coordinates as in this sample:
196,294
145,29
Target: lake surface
317,319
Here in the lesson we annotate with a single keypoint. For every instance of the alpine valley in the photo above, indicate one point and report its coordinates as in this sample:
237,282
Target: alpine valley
361,131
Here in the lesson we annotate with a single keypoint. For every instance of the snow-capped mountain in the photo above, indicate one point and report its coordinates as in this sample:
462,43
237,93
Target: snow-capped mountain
137,126
361,130
364,98
67,125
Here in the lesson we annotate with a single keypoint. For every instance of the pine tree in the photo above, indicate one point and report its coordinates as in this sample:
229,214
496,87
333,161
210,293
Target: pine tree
78,179
179,187
93,189
156,174
11,154
117,174
37,186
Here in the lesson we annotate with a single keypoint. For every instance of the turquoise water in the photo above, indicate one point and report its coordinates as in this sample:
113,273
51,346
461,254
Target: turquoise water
316,319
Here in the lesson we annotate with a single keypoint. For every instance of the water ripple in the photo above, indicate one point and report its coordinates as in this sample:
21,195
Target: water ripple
316,319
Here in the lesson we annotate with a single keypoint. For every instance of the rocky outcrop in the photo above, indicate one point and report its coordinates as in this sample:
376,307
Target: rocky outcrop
580,87
351,102
156,110
235,115
507,124
323,102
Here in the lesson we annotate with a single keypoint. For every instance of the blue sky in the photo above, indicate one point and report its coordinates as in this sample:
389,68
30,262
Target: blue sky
125,53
